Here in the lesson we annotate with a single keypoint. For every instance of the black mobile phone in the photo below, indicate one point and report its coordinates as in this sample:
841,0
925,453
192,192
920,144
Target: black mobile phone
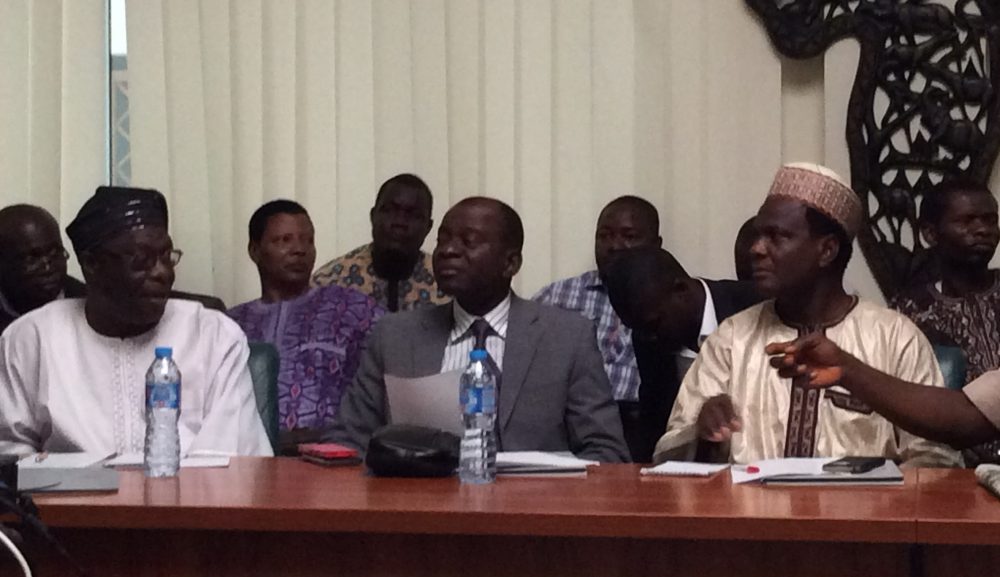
854,465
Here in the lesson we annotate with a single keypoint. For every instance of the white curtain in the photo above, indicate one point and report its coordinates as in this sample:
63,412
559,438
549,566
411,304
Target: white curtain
555,106
53,93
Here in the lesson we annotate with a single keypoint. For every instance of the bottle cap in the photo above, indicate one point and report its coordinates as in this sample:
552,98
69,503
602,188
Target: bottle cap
478,355
164,352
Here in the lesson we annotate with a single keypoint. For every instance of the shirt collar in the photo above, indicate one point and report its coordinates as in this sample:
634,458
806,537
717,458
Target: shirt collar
497,318
592,281
709,322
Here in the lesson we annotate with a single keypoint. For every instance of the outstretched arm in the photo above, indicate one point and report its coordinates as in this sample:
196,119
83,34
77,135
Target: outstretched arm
934,413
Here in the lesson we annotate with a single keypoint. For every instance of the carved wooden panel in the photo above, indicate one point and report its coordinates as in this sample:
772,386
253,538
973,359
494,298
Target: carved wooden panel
923,106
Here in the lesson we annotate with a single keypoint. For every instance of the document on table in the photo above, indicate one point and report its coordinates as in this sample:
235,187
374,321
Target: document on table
59,472
61,460
190,462
427,401
684,469
810,472
539,462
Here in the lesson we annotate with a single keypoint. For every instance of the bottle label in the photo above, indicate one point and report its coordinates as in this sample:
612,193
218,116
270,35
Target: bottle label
476,400
471,400
488,400
163,396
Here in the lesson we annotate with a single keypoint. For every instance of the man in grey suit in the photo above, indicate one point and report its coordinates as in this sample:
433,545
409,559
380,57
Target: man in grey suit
553,392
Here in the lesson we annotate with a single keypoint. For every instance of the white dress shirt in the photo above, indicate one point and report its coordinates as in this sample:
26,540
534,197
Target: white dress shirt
709,322
461,339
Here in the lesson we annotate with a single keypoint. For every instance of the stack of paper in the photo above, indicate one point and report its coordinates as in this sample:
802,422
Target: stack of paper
56,472
193,461
810,472
684,469
60,460
538,462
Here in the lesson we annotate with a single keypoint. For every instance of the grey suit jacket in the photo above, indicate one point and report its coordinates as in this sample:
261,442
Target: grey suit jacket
555,394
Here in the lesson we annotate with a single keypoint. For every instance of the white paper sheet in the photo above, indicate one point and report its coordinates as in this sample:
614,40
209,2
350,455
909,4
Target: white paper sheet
193,462
684,469
810,472
772,467
540,462
61,460
427,401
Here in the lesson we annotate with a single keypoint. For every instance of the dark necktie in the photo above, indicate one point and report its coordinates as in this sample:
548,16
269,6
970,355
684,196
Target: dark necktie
480,330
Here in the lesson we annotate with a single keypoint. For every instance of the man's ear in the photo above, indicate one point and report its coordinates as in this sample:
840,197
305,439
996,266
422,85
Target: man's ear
929,234
253,249
659,242
513,264
829,249
88,264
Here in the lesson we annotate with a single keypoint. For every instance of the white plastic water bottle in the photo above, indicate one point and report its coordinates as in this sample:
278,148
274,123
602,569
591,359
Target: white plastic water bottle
162,456
478,396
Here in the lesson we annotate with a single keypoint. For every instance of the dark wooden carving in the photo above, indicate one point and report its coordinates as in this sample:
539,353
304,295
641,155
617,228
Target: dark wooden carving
923,107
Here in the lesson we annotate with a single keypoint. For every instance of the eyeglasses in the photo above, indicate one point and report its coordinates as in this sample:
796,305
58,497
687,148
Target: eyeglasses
145,260
39,260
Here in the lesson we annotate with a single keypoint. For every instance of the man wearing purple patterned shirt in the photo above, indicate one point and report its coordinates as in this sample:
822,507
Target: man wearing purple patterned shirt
319,332
626,222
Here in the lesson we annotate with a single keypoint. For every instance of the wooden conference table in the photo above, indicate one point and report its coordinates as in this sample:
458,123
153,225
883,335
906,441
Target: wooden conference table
286,517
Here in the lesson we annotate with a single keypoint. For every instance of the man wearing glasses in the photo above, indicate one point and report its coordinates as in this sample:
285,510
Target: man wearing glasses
33,265
32,262
72,373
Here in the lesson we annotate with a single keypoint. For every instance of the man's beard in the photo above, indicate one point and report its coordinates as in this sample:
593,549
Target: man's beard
393,265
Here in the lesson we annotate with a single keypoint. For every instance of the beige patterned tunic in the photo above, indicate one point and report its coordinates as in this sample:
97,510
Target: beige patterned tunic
783,419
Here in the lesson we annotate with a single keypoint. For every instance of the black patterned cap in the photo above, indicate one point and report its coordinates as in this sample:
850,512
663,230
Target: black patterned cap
114,210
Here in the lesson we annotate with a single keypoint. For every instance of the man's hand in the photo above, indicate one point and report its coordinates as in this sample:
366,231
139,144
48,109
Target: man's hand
718,420
813,356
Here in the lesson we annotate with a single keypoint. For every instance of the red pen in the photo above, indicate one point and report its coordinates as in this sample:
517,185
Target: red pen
751,469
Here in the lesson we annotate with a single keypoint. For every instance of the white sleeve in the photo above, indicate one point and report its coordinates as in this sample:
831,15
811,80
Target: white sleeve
231,423
22,429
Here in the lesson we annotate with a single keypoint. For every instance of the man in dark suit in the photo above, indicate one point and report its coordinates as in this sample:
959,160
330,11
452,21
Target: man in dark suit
553,393
670,314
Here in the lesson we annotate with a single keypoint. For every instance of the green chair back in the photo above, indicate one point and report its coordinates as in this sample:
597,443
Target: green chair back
264,364
953,367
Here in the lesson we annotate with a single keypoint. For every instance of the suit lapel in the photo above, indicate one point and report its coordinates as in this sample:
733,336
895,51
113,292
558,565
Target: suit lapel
523,333
731,297
428,347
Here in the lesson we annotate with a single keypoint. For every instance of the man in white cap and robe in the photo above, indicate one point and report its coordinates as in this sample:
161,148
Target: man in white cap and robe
734,407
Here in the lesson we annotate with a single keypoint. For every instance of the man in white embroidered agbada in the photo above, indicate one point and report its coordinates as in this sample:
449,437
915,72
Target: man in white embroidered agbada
72,372
733,406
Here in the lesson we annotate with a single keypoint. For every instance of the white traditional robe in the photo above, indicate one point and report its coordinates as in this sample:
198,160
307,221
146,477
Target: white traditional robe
781,419
64,387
